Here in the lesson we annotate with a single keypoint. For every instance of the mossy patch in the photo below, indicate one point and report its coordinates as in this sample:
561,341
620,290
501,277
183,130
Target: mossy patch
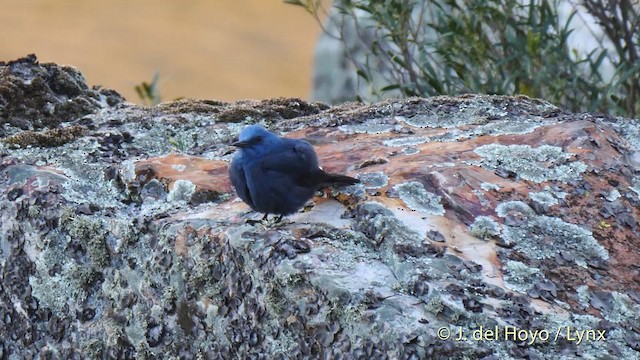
46,138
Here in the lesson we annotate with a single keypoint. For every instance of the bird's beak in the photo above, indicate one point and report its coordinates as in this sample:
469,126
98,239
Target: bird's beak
240,144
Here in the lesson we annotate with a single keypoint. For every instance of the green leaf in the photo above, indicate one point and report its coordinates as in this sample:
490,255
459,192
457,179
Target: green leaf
295,2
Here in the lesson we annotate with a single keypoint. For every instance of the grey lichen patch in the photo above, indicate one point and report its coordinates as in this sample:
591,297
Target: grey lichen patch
128,171
621,338
176,133
181,191
418,198
367,128
543,198
520,277
508,126
435,305
584,296
179,167
544,163
556,192
623,309
629,129
406,141
356,190
635,186
374,180
613,195
433,120
569,328
489,186
92,233
543,237
485,228
481,198
61,289
514,208
410,150
385,232
57,291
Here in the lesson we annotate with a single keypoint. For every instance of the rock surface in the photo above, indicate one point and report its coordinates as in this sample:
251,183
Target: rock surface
121,238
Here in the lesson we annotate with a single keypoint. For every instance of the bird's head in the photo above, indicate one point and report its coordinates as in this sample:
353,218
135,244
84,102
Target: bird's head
256,140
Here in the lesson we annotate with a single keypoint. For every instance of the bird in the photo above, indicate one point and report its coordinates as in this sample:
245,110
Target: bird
276,175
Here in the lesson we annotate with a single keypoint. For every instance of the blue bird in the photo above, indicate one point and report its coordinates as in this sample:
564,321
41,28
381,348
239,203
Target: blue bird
275,175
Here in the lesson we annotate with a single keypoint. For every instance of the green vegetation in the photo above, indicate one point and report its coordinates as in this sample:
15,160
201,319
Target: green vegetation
448,47
148,92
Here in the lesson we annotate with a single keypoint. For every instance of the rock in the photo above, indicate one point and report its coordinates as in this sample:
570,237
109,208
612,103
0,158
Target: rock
126,241
35,96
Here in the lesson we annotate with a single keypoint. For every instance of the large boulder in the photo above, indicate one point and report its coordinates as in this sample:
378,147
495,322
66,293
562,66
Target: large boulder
506,220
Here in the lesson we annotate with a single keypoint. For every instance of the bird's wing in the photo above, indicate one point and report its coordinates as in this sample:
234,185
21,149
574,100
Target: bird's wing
298,158
239,181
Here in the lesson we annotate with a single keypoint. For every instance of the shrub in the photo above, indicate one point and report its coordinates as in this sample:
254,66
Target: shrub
448,47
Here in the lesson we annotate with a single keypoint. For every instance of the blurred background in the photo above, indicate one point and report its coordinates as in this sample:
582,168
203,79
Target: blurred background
208,49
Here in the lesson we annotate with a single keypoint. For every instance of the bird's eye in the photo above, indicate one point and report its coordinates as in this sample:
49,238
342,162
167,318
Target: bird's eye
258,138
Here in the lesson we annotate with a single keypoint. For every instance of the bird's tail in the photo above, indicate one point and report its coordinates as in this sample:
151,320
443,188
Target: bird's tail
330,178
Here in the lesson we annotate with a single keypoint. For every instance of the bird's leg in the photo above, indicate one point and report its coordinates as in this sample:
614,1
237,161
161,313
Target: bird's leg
279,219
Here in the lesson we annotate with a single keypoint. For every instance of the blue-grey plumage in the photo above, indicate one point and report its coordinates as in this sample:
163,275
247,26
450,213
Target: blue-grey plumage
275,175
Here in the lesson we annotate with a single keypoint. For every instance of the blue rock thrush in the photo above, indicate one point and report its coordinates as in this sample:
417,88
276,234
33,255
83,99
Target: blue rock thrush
275,175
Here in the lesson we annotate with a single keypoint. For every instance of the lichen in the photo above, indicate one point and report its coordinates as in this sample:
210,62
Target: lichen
62,289
520,277
366,128
510,207
542,237
433,120
181,191
410,150
623,309
544,163
635,186
374,180
489,186
508,126
584,296
92,233
543,198
406,141
417,198
435,305
485,228
613,195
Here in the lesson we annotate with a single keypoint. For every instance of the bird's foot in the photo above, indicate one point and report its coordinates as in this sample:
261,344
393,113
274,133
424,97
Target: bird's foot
277,222
273,222
252,221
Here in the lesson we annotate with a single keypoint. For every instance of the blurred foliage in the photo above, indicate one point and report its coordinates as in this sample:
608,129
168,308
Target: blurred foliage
493,46
148,92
